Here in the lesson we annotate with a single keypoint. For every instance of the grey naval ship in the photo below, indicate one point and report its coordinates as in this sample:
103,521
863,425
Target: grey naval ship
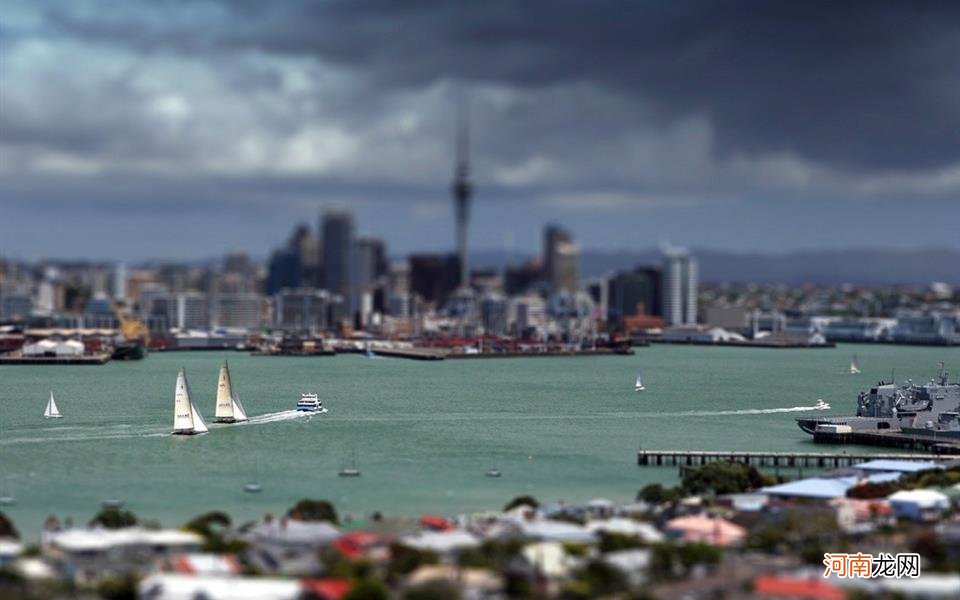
925,410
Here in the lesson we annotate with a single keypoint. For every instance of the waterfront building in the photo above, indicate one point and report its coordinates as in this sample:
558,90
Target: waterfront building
243,310
493,313
680,281
16,301
337,243
561,259
192,311
933,328
531,315
364,270
303,309
98,313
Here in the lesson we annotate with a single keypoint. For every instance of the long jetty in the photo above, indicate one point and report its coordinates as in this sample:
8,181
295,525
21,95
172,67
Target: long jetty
658,458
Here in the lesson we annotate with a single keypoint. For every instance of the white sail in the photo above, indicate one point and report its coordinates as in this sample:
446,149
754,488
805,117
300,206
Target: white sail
224,394
238,411
639,384
182,411
51,411
199,425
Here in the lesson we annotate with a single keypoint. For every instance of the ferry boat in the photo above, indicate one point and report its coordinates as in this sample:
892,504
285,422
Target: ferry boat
310,403
821,405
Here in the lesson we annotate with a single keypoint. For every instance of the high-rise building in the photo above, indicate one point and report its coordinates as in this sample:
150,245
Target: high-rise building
307,248
553,234
284,270
119,286
565,267
634,293
434,276
462,193
364,267
561,259
337,233
680,281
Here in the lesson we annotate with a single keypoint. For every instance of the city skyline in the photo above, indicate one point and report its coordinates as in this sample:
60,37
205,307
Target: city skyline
176,131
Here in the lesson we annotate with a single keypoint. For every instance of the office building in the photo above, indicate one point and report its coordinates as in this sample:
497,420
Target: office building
680,281
337,244
634,293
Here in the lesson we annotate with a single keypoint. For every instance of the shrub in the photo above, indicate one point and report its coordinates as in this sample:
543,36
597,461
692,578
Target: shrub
656,493
723,478
114,518
313,510
521,501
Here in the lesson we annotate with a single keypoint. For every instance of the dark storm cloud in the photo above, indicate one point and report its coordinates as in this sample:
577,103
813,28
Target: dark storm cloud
853,86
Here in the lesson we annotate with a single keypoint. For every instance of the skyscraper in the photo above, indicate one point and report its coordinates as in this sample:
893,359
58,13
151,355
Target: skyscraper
679,287
561,259
462,193
337,233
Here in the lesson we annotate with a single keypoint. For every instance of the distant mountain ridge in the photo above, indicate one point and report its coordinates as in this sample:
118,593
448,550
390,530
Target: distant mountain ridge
825,267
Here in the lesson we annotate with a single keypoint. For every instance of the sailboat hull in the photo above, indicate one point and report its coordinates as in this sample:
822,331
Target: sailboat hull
228,420
186,432
52,416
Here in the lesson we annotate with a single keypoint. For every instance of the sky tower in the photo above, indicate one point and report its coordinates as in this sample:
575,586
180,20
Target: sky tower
462,192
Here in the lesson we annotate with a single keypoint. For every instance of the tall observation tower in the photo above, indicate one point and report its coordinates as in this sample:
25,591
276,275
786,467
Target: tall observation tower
462,192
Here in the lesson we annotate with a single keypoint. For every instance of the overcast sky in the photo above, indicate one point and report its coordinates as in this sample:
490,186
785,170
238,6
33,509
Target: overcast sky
188,128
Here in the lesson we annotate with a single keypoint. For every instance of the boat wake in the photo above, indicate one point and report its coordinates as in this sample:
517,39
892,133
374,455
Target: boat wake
284,415
750,411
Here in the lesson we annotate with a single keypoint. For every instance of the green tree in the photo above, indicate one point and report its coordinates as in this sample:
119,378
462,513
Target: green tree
434,590
313,510
7,529
521,501
723,477
656,493
114,518
368,589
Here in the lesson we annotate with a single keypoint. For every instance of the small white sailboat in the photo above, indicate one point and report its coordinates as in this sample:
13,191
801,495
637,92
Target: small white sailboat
639,387
854,365
51,411
252,488
352,470
229,408
186,418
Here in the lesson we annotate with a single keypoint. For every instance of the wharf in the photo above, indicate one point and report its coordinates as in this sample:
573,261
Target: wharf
548,353
91,359
892,439
411,353
658,458
291,353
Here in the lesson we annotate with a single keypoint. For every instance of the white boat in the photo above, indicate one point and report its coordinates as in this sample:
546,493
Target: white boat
638,387
51,411
352,470
854,366
821,405
186,418
252,488
310,403
493,473
229,408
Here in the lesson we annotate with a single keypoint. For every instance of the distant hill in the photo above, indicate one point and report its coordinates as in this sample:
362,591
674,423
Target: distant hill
829,267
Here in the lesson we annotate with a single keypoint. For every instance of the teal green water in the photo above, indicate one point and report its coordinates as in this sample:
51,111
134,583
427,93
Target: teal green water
424,432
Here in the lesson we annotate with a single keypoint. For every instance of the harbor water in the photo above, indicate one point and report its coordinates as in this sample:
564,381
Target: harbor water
423,433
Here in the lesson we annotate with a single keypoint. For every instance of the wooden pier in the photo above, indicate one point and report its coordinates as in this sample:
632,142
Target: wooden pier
825,460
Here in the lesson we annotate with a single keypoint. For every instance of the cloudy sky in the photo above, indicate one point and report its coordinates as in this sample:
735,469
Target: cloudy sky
187,128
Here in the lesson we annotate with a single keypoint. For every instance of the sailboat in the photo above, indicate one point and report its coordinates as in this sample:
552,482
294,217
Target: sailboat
352,470
52,412
854,366
186,418
229,409
639,385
